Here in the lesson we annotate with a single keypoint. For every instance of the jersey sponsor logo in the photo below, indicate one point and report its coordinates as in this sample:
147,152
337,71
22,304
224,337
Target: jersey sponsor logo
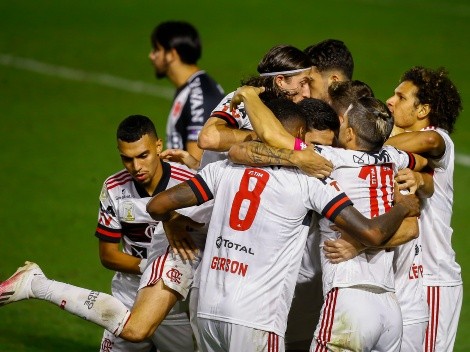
174,275
228,265
416,271
381,157
106,345
91,299
124,194
196,100
128,211
229,244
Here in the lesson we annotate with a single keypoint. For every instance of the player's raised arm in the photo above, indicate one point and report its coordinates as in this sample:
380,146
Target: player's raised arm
428,143
268,128
217,135
259,154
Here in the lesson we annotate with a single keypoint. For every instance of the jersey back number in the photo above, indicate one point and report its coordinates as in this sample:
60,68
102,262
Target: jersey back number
249,194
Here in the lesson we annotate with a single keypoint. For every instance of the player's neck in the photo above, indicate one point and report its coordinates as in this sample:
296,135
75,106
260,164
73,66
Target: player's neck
180,73
150,188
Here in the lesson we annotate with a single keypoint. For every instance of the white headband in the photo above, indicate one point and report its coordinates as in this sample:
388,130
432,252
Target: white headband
268,74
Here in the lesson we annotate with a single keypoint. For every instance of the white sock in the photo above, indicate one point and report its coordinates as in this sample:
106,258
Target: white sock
97,307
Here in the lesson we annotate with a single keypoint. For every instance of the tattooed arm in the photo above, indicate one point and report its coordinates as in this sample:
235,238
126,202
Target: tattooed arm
162,208
259,154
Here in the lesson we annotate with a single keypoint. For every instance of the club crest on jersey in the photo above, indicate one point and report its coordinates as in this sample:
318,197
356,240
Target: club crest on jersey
127,209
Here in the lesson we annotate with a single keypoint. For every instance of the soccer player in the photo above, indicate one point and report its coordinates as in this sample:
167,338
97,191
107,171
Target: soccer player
407,257
123,219
176,49
370,118
332,62
255,241
285,72
322,129
123,215
426,105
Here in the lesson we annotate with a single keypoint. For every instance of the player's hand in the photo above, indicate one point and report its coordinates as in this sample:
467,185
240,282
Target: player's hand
409,180
241,93
312,163
180,156
343,248
409,201
178,232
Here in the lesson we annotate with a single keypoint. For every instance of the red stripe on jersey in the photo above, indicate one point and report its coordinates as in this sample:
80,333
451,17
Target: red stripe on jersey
433,293
179,178
335,206
181,172
118,177
118,183
201,190
108,233
226,117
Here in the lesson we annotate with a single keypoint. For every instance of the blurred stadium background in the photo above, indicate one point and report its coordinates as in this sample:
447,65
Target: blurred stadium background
71,71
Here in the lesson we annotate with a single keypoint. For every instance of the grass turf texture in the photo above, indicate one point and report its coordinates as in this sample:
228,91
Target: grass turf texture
57,135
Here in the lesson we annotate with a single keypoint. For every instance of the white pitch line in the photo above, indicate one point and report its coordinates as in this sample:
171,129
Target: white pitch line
114,82
462,159
82,76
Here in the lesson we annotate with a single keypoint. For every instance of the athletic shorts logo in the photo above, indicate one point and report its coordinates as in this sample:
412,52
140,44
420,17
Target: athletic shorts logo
106,345
174,275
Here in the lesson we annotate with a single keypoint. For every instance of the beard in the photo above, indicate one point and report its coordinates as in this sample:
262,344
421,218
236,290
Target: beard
161,72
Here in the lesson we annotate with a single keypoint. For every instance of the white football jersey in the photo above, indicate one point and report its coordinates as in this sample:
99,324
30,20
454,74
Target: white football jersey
256,237
236,118
368,180
440,266
408,268
123,216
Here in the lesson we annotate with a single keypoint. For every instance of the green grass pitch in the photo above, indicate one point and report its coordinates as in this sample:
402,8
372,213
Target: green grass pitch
57,126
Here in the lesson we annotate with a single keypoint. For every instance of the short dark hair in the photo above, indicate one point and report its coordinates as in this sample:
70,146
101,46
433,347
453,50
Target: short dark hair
279,58
342,94
320,115
436,89
287,112
371,121
181,36
331,54
134,127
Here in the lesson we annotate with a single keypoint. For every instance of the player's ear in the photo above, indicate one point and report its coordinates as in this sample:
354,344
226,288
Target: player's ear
171,55
159,146
423,111
279,80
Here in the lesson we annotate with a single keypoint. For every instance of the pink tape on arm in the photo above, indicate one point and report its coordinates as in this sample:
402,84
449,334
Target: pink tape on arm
299,144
